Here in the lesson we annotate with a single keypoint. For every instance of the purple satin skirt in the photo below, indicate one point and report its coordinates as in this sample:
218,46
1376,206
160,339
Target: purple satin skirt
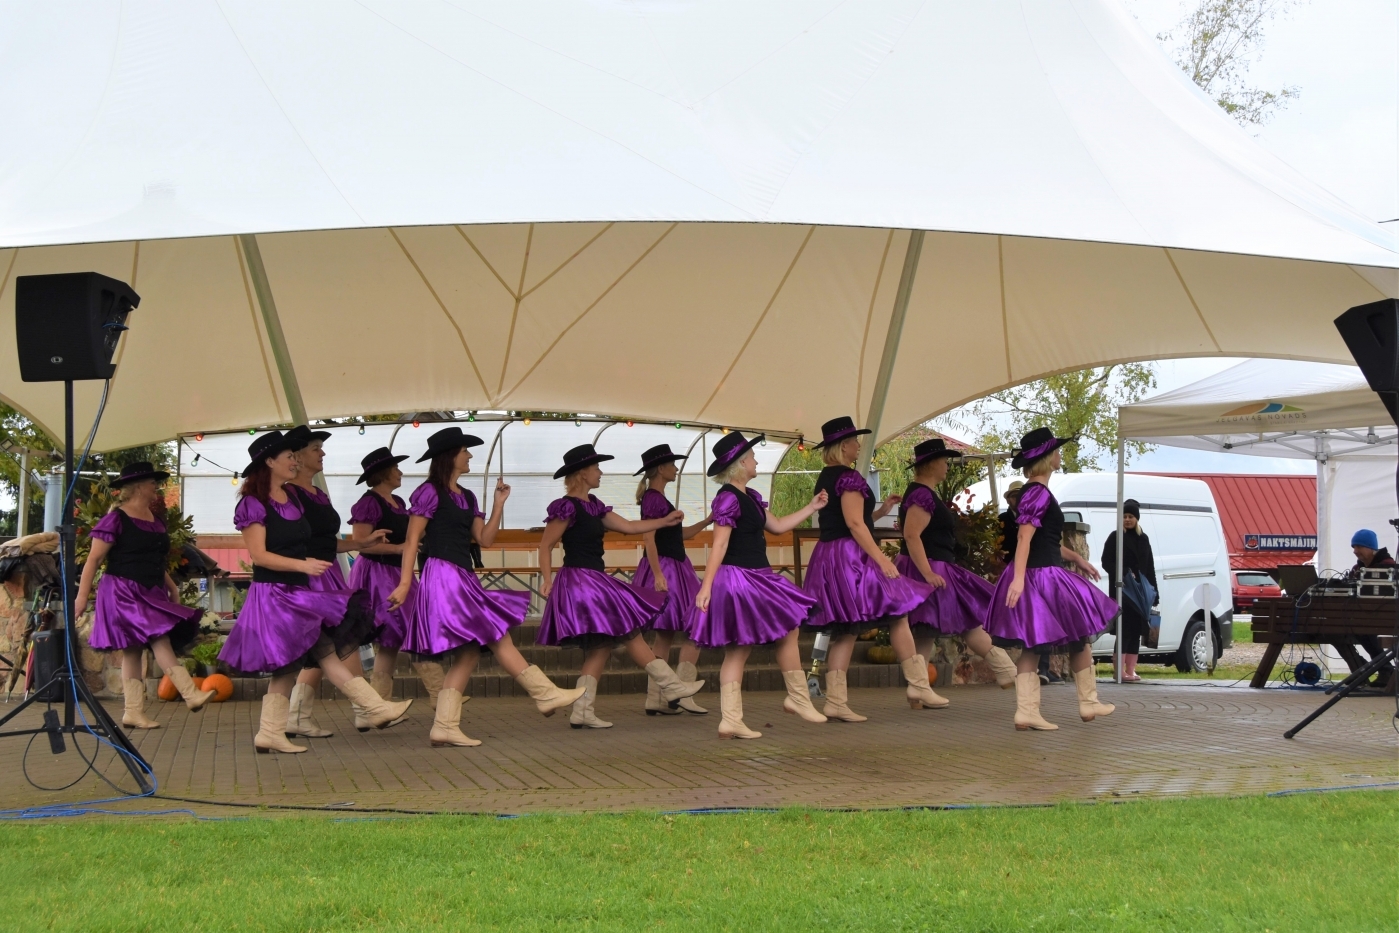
749,606
451,609
129,615
378,581
853,594
682,584
1057,607
958,607
333,579
587,607
280,624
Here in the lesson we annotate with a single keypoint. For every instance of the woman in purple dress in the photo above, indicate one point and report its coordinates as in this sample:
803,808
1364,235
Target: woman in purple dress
326,545
857,586
285,625
928,553
453,615
378,568
667,570
138,605
587,607
743,602
1038,604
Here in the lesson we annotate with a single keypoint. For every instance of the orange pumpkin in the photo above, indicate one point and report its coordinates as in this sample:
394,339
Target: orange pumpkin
221,685
166,691
932,675
198,682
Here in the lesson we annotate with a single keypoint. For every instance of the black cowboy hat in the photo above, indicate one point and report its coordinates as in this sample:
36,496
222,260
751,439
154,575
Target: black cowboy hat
1040,442
931,449
730,447
579,457
657,455
135,472
271,444
449,439
838,429
376,460
304,432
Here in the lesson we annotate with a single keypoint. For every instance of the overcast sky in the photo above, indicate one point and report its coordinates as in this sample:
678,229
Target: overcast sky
1342,132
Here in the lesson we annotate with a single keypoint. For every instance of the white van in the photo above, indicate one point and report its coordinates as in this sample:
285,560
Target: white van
1187,541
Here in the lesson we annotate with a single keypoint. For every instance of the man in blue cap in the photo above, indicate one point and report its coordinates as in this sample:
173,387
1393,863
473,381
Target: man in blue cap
1368,554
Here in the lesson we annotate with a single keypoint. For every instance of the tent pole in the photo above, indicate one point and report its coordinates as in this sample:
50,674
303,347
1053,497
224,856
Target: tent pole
1117,559
991,478
891,347
22,513
1323,510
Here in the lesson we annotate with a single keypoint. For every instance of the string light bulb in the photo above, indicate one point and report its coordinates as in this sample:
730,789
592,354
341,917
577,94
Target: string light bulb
724,430
577,422
361,429
631,424
527,422
199,437
252,430
417,423
195,461
471,416
677,425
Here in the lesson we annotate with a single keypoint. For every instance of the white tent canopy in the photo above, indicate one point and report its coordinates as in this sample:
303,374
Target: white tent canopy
1271,408
697,212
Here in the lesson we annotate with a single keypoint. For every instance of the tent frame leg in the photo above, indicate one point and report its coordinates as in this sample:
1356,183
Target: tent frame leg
891,347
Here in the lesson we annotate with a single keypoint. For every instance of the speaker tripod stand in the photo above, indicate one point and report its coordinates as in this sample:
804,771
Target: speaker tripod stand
70,684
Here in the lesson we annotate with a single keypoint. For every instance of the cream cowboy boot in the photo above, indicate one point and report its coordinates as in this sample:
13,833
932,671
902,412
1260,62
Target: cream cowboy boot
836,707
547,696
271,734
446,722
686,672
299,721
920,693
583,714
133,714
731,713
1089,707
798,698
1027,704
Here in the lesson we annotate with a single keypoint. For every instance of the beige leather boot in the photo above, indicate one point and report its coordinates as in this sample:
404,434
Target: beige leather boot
836,707
1002,666
299,721
547,696
432,675
1027,704
731,713
133,714
655,706
583,715
920,693
1089,706
686,672
798,699
378,713
193,696
673,689
381,679
446,722
271,734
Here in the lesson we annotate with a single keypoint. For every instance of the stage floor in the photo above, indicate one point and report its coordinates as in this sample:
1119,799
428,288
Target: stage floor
1164,740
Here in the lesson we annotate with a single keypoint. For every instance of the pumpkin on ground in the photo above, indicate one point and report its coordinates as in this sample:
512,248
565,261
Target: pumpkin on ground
166,691
932,675
221,685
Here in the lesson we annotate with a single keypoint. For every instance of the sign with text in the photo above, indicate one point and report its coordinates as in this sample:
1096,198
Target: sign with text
1279,542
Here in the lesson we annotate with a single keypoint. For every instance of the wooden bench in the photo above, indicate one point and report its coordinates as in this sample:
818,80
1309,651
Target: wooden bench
1321,620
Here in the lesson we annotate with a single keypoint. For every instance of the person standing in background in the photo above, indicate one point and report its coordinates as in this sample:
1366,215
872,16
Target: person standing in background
1139,564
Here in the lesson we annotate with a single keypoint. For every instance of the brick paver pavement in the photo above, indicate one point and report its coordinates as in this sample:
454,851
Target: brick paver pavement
1163,740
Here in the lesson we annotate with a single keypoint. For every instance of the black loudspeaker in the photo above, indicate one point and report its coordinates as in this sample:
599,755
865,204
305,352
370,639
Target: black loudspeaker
67,326
49,658
1371,333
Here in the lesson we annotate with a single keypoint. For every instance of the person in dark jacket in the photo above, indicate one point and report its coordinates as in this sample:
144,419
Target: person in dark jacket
1369,556
1137,561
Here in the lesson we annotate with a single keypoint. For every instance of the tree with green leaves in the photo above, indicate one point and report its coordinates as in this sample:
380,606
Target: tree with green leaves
1217,42
1082,404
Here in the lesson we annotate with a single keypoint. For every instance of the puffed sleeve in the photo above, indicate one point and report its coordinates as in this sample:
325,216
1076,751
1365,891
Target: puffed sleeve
368,510
109,529
654,505
851,481
423,502
922,497
250,511
560,510
1033,501
725,509
596,507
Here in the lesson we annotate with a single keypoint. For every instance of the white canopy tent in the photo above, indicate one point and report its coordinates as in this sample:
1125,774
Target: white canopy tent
721,213
1311,411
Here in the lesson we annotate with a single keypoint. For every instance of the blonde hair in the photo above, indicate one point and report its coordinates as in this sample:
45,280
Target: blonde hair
728,473
830,455
1043,466
645,483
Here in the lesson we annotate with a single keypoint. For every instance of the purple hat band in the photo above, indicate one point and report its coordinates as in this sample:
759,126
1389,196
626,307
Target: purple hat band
731,455
839,436
1034,453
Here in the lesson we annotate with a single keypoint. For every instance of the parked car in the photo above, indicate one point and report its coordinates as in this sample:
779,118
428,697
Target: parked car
1187,541
1252,585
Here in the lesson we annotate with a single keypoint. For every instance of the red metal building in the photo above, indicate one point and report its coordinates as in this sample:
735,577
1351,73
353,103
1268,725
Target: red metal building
1262,505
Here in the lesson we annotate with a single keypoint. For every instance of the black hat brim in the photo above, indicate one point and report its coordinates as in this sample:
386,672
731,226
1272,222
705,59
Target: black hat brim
288,442
1019,461
734,457
574,467
468,440
668,458
843,437
158,475
949,452
375,468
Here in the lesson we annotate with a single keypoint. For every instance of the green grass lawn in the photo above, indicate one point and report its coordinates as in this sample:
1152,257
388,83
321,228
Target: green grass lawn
1310,862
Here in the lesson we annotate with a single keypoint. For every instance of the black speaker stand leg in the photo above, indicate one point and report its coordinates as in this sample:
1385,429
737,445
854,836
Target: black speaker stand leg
1349,685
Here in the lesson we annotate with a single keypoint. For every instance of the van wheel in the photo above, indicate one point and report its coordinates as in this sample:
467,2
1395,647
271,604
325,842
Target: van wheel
1191,656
